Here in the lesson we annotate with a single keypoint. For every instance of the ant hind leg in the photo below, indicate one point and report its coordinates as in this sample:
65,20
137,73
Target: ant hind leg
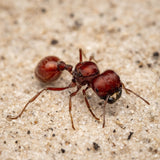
35,97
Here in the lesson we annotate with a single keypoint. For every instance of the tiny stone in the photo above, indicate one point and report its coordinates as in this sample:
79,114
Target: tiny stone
156,54
54,41
63,150
130,135
149,65
43,10
96,146
71,15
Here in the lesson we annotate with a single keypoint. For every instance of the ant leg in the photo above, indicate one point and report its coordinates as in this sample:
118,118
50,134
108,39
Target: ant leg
34,97
70,105
92,58
80,54
104,111
128,92
88,105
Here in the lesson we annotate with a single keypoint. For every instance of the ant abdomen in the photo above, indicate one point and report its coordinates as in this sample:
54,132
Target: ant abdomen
47,69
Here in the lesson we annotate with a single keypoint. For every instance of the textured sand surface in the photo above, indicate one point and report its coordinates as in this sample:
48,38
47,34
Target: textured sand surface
123,35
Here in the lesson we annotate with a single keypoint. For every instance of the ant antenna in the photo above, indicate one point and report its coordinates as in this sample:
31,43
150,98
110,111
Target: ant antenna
128,92
81,52
93,58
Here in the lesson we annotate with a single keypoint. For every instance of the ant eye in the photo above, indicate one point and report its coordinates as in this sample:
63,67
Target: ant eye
97,90
114,97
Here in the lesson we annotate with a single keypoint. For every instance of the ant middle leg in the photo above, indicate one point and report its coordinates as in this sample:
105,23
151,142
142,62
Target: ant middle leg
35,97
70,105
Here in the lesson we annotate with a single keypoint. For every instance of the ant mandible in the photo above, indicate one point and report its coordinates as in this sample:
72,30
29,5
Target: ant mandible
106,85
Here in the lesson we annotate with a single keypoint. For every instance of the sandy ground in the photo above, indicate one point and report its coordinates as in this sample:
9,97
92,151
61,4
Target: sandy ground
123,35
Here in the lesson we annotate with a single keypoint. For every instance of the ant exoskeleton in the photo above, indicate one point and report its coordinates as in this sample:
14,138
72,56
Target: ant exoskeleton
106,85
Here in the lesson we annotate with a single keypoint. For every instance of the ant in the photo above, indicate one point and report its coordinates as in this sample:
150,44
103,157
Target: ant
106,85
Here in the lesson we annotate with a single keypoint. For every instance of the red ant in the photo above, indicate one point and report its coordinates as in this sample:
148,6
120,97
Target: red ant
106,85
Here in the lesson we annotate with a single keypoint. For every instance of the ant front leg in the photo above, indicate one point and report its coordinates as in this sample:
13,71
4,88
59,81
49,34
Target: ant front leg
70,105
35,97
104,111
88,105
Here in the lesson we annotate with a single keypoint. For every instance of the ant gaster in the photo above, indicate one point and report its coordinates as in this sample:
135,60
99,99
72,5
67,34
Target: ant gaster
106,85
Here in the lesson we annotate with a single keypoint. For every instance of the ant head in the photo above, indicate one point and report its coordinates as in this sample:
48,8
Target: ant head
107,86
